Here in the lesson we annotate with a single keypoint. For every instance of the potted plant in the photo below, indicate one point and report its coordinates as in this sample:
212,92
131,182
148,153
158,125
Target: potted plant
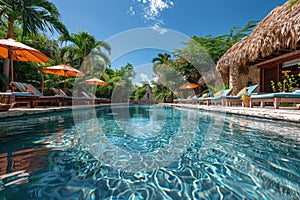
246,100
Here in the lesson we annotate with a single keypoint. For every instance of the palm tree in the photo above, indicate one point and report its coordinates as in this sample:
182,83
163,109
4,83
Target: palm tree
33,16
159,60
84,44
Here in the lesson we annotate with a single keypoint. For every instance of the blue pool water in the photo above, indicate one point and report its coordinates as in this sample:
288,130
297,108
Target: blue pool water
148,152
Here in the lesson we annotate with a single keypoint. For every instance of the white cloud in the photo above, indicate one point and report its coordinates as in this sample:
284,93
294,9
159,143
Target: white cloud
151,10
144,78
131,11
159,29
139,84
155,79
158,5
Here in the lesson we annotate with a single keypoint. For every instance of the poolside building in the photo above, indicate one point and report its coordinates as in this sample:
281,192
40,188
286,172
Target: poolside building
148,97
273,48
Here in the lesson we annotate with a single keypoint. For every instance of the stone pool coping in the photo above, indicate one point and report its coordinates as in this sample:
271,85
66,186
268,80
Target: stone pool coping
286,114
22,111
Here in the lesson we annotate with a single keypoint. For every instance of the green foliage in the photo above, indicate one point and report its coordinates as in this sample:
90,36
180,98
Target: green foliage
193,60
28,18
216,88
286,85
217,46
126,72
86,51
161,93
199,55
245,97
168,72
140,92
293,3
119,80
32,16
161,58
48,46
225,86
277,87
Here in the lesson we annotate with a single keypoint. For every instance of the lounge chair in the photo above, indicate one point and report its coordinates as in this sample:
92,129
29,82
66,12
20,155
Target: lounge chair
88,98
216,98
57,92
20,95
30,93
78,98
229,100
179,100
275,98
189,99
4,107
61,98
205,98
220,98
92,100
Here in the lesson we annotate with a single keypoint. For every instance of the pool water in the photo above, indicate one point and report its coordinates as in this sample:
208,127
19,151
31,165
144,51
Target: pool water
148,152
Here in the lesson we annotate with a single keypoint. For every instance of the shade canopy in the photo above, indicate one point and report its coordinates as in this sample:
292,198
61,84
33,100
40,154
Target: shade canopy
62,70
188,85
13,50
95,81
20,52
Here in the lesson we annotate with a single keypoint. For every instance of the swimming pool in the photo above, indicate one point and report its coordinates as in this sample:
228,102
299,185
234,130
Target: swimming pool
148,152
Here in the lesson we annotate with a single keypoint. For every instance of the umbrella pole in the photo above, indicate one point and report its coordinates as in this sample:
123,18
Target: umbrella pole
43,84
10,64
65,87
95,87
11,69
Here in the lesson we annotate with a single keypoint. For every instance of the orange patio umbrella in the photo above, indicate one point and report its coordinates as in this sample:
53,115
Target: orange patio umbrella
188,85
63,70
95,81
13,50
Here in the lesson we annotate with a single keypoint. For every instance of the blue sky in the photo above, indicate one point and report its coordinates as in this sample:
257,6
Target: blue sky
111,18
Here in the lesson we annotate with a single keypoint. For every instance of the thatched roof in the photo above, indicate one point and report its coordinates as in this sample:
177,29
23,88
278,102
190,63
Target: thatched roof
277,34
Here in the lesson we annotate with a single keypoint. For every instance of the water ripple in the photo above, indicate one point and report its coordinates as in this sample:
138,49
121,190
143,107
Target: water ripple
246,159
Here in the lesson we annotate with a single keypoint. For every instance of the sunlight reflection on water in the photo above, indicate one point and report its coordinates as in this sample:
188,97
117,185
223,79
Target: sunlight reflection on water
240,158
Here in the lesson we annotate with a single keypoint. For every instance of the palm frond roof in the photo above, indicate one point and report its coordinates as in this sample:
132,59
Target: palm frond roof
276,34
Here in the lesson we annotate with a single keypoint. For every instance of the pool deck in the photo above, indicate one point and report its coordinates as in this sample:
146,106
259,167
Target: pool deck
291,114
286,114
23,111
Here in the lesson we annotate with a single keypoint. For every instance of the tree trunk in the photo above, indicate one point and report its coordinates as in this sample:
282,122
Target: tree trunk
6,66
10,31
84,67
